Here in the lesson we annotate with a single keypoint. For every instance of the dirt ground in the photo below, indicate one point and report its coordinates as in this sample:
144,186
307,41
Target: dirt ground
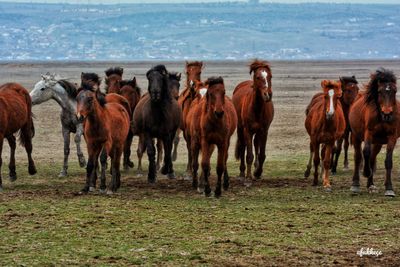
293,83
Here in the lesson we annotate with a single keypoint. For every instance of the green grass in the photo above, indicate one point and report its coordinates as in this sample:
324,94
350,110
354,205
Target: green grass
281,220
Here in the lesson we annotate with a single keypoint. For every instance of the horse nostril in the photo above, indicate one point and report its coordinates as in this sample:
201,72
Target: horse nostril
219,114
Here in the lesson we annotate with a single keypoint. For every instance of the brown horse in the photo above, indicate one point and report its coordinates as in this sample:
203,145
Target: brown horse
16,115
106,127
193,73
253,104
131,92
349,94
374,120
325,123
157,115
91,79
214,122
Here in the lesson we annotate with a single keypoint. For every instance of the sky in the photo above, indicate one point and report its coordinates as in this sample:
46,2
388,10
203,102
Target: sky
200,1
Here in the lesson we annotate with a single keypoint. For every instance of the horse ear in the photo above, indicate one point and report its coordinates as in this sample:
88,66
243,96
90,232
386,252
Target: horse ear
324,83
106,80
134,80
179,75
187,63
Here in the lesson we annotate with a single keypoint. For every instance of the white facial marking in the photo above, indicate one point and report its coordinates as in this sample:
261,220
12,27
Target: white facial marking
191,83
203,92
331,111
387,88
264,74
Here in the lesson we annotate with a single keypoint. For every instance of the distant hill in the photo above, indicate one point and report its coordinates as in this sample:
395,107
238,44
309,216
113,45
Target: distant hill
201,31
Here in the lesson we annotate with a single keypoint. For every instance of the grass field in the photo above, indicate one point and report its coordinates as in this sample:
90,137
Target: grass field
280,220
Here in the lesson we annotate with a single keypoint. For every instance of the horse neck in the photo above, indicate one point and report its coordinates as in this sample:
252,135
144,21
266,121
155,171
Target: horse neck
66,102
257,100
96,119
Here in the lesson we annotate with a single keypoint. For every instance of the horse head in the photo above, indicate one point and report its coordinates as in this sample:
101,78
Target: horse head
193,72
88,100
92,79
44,89
215,96
332,92
113,79
262,78
158,83
173,84
382,91
349,88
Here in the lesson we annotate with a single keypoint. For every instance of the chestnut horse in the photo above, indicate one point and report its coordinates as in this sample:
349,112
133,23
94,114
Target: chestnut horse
106,127
90,79
214,122
349,94
131,92
157,115
16,115
374,120
193,73
253,104
325,124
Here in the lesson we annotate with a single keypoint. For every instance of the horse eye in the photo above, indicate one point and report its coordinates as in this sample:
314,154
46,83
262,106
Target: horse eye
42,89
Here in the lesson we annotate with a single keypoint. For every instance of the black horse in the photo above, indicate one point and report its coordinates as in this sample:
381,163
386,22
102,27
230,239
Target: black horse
157,115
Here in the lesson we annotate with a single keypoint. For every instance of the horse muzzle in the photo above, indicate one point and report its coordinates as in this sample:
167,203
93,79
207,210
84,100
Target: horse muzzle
329,115
267,97
387,117
80,117
219,114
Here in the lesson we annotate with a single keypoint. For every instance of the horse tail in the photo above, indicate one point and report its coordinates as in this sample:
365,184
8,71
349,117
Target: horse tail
28,131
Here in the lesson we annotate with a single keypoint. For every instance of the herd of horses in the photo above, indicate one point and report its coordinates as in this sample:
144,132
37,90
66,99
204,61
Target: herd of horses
207,118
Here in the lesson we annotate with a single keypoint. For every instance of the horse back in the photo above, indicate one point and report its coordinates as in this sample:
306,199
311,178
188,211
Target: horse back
116,98
118,119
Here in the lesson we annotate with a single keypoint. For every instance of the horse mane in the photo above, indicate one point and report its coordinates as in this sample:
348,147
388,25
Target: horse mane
159,68
214,80
69,87
99,95
380,75
114,70
131,83
194,63
257,63
348,79
175,76
89,76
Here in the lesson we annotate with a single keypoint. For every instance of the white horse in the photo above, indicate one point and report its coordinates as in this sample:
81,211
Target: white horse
64,93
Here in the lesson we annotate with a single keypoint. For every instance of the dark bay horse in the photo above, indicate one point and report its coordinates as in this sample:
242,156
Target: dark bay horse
253,104
325,124
106,127
16,115
214,122
193,71
374,120
157,115
349,94
132,93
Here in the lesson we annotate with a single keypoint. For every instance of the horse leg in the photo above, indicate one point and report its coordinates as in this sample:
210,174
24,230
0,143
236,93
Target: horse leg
240,152
189,163
326,164
127,151
205,166
336,155
103,163
346,149
308,169
256,151
176,143
140,150
66,136
151,153
355,187
28,149
370,184
1,160
195,149
77,139
316,162
388,166
168,168
160,149
262,143
226,175
367,158
115,165
220,168
249,156
13,144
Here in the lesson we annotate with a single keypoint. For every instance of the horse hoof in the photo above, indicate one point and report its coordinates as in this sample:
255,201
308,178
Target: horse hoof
355,189
346,168
328,189
109,192
226,186
102,191
372,189
13,177
200,190
333,172
92,189
82,162
390,193
138,175
307,173
207,194
248,183
164,170
131,164
188,177
171,175
151,181
240,178
84,191
217,194
1,189
62,174
32,170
